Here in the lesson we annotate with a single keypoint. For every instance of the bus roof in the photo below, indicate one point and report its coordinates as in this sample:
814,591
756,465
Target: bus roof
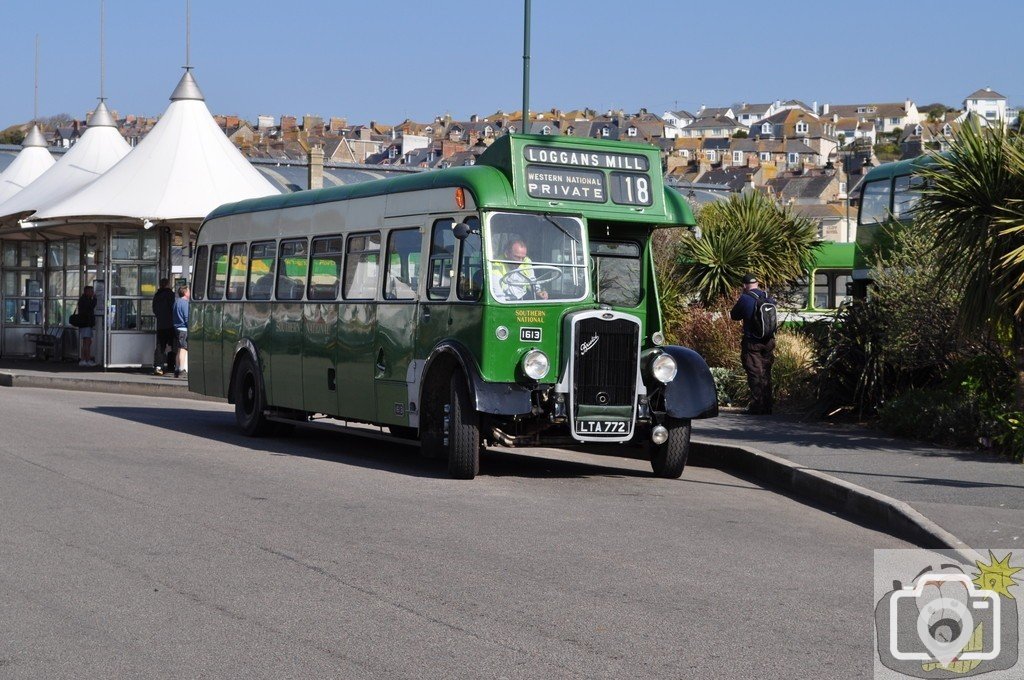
504,178
899,168
834,255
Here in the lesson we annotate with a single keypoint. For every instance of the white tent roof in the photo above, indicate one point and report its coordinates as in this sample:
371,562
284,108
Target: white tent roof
32,161
183,169
98,149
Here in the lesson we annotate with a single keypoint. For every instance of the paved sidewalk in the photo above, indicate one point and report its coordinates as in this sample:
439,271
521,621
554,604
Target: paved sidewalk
71,376
977,497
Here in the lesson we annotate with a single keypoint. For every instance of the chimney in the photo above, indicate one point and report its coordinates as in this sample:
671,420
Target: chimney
814,106
316,167
824,109
907,104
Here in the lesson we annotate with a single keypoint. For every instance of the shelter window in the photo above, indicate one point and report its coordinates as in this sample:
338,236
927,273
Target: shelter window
361,264
218,271
403,265
237,271
199,275
325,268
133,278
292,268
262,265
442,260
471,264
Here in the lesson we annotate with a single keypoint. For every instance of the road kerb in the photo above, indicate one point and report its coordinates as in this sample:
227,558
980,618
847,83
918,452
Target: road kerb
177,390
891,515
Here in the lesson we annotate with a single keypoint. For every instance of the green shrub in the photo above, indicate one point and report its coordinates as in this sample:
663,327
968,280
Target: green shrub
731,386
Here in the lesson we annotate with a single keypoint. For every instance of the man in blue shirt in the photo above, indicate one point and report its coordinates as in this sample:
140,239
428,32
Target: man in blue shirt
180,318
757,354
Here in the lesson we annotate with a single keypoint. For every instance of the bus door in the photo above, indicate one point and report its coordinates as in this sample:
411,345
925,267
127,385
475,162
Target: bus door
213,321
435,319
286,362
320,323
356,332
397,318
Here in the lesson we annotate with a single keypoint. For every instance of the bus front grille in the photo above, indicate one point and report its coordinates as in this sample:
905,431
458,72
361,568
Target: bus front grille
605,362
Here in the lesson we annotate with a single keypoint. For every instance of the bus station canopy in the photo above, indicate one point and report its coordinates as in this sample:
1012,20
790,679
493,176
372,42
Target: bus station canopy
31,162
98,149
184,168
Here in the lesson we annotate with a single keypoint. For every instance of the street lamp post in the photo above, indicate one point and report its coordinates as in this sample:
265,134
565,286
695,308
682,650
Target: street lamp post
526,66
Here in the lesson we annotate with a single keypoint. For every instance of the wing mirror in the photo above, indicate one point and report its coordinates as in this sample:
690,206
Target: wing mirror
461,230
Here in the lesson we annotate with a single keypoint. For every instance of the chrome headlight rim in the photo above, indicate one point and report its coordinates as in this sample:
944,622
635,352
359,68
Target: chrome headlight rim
535,364
664,368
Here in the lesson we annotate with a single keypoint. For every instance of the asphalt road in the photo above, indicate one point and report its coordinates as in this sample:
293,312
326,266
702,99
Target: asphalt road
145,538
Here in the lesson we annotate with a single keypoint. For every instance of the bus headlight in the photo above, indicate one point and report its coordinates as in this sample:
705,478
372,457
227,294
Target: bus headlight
664,368
536,364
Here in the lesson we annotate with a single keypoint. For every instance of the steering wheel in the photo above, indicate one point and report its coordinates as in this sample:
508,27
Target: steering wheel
516,277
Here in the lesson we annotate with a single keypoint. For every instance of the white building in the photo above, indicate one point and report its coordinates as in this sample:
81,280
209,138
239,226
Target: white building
675,121
988,104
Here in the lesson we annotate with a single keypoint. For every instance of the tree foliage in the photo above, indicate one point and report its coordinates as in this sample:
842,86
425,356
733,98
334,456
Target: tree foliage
748,233
974,201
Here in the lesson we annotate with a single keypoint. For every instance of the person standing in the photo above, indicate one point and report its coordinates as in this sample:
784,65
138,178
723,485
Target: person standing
87,310
180,320
757,349
163,310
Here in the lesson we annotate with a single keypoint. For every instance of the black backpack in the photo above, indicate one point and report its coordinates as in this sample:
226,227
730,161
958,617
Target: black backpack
765,321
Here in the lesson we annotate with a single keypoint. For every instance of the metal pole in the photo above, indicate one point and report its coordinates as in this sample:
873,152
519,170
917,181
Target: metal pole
526,67
35,98
102,54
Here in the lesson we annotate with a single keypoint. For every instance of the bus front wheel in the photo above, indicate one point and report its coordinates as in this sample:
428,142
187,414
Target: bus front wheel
250,400
463,429
669,459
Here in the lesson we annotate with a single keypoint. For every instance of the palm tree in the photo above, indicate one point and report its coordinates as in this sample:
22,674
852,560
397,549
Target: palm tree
746,233
974,200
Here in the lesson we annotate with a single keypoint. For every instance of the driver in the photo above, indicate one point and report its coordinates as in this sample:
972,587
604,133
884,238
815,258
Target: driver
517,287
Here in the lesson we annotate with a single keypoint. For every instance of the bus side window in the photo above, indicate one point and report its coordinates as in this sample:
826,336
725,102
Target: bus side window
874,205
361,263
199,274
237,270
218,271
442,260
906,194
471,264
403,260
325,269
821,291
293,263
262,260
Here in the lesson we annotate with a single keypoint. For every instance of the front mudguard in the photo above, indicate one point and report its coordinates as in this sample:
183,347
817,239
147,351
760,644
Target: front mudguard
692,393
509,399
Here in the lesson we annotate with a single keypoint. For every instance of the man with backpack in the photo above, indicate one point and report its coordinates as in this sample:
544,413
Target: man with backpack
757,351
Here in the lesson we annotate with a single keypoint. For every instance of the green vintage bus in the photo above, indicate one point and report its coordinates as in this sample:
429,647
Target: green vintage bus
827,285
508,303
888,195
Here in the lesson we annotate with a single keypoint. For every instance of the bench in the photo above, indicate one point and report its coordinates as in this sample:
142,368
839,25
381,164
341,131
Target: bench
49,345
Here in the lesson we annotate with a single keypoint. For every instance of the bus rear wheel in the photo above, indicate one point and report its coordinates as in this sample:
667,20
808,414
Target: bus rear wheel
463,431
250,400
669,459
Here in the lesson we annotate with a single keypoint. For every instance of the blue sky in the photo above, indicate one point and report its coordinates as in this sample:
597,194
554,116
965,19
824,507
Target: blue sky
389,61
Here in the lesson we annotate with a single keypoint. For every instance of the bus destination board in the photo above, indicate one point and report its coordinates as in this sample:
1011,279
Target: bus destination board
581,175
565,183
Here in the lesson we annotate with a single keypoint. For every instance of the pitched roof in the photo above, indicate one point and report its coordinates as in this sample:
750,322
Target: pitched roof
800,186
985,93
876,110
713,112
753,108
31,162
708,123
